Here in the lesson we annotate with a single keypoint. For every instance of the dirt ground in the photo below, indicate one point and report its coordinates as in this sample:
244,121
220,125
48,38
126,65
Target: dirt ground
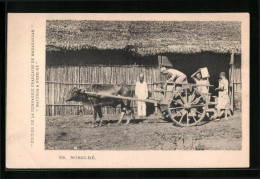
75,133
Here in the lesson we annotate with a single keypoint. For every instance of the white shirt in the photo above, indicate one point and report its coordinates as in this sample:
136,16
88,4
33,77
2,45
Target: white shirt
141,90
223,83
175,74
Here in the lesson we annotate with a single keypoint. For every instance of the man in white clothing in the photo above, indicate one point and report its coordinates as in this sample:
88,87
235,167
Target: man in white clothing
141,91
174,75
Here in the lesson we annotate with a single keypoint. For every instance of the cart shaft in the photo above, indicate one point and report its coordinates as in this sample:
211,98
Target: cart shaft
122,97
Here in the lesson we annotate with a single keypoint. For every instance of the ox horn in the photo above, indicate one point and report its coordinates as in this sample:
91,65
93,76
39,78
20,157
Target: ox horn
82,90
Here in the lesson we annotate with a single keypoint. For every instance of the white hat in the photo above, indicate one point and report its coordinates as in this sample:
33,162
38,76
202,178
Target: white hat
162,69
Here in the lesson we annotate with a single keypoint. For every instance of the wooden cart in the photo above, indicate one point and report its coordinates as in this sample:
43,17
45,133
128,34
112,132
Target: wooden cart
183,104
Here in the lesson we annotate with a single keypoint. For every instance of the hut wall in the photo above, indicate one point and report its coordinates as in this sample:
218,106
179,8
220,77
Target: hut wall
63,72
237,89
60,79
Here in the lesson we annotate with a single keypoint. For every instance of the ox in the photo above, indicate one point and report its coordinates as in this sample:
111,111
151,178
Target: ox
96,102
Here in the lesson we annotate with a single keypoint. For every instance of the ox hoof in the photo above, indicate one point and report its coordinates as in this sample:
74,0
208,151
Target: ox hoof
92,126
126,124
212,118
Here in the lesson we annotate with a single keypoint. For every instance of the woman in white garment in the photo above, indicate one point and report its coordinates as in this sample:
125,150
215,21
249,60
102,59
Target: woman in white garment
141,91
223,97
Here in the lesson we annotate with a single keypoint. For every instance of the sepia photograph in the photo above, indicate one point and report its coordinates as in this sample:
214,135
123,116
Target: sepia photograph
143,85
127,90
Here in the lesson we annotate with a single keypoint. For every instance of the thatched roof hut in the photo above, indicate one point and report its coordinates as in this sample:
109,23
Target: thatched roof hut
116,51
145,37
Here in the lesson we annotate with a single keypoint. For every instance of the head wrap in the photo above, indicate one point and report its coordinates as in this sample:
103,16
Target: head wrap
222,74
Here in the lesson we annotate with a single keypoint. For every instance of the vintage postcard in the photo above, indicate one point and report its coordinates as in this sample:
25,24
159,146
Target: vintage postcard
121,90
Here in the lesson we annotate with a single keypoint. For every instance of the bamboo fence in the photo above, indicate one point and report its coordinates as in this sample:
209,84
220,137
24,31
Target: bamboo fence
59,80
237,89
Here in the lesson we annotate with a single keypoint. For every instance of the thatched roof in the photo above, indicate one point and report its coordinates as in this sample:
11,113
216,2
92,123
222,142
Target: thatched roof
145,37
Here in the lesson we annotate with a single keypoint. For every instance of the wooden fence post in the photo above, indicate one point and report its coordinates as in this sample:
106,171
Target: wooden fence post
52,100
159,69
231,81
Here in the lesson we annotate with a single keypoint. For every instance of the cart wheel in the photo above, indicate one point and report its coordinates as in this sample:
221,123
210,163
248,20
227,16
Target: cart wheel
187,106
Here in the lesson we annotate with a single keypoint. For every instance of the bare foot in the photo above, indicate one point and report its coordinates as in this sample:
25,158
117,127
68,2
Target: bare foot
126,123
217,119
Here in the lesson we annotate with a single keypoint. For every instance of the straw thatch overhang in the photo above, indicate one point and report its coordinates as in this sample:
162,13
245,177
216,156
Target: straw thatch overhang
146,37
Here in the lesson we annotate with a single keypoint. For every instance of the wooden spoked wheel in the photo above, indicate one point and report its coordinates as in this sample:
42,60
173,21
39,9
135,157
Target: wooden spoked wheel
187,106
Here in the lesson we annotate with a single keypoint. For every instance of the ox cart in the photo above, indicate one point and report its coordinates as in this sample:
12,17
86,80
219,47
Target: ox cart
183,104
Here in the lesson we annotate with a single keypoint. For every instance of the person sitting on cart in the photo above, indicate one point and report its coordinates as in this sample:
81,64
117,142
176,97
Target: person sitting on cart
197,77
174,75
